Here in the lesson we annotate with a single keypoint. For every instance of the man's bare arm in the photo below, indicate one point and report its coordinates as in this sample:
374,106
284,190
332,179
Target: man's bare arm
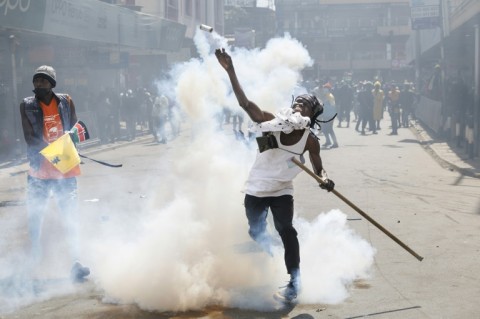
313,147
253,111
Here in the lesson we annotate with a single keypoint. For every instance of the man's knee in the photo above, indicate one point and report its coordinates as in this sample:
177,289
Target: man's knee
257,230
288,233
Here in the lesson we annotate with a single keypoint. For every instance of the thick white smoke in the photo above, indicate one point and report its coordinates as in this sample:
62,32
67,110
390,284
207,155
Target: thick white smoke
194,250
190,248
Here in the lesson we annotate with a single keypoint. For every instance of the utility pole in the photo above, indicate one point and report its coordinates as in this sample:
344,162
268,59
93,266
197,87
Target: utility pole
418,67
476,105
442,55
16,121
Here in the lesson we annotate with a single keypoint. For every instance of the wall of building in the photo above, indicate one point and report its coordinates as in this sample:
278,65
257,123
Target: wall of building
363,37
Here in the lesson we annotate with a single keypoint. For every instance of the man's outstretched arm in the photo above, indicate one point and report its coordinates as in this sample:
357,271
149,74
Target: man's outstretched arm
253,111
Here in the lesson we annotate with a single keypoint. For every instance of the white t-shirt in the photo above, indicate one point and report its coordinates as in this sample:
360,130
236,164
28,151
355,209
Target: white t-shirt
273,171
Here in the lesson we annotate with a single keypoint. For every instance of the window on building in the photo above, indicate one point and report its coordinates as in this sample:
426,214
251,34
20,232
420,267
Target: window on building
188,8
171,10
218,13
198,11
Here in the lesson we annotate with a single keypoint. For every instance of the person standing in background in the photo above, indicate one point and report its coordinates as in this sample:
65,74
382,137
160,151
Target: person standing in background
393,99
378,100
329,113
344,100
159,118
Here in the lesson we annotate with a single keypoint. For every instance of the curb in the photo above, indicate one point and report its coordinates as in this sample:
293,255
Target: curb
426,140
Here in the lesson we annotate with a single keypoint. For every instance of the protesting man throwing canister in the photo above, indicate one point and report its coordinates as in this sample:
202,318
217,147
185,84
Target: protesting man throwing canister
285,135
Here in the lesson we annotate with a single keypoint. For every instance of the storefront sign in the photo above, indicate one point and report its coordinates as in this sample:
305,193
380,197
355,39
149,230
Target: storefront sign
22,14
94,21
83,20
425,14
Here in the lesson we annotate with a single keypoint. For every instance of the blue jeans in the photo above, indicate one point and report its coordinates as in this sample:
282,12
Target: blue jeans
282,210
38,194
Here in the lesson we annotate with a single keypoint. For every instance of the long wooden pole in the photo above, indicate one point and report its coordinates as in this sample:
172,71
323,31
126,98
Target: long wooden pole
358,210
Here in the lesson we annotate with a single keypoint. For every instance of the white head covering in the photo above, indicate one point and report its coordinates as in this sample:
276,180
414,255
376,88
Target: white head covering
285,120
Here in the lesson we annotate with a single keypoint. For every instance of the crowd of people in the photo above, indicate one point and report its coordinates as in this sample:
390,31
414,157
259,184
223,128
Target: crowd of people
363,103
368,102
123,115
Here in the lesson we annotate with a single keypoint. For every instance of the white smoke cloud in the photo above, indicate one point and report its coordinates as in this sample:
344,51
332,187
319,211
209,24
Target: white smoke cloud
194,249
190,248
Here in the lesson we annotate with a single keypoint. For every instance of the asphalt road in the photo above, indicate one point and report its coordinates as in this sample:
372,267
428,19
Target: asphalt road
434,210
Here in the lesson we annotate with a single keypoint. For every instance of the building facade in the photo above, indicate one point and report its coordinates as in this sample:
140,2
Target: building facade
453,46
189,13
364,38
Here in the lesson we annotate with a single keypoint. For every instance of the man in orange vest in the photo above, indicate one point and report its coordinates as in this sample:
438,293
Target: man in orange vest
47,116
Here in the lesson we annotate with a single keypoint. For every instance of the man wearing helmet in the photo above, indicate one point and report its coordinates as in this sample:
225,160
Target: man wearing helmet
269,184
47,116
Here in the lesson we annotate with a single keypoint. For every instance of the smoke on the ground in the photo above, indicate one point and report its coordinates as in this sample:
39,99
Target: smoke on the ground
193,249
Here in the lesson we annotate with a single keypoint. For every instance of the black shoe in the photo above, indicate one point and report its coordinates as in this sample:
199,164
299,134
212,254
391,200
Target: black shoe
79,272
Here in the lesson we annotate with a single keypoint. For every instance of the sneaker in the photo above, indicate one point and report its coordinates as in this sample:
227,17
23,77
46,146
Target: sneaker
79,272
288,294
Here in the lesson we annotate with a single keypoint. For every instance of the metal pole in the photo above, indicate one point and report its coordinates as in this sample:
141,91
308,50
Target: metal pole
476,106
418,52
443,63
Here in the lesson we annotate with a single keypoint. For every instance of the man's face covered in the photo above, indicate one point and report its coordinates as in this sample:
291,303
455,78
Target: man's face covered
303,106
41,92
42,87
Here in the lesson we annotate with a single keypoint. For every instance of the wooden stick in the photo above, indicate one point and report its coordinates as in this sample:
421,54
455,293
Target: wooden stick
358,210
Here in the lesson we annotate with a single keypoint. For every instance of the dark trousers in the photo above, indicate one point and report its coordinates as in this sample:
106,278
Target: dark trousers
282,211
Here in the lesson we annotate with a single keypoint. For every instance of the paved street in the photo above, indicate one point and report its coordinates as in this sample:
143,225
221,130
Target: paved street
414,186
